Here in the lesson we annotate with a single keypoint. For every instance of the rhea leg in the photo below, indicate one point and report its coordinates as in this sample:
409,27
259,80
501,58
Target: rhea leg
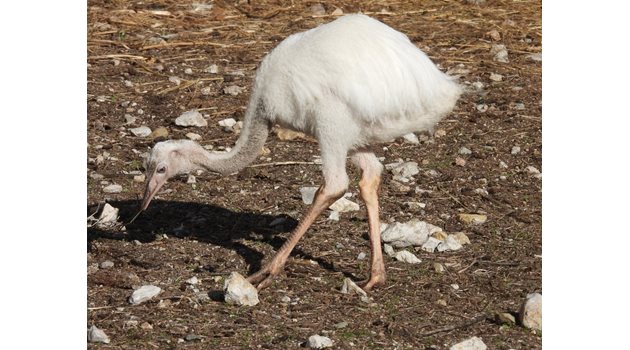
369,184
336,183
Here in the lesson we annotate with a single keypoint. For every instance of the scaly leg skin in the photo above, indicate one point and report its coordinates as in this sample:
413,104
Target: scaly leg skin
267,273
369,193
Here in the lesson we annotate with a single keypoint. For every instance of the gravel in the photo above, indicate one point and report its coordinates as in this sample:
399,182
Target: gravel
318,342
113,188
142,131
531,312
239,291
473,343
96,335
412,233
407,257
191,118
144,293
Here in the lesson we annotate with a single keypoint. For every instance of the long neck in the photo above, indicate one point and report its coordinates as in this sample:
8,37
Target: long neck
253,135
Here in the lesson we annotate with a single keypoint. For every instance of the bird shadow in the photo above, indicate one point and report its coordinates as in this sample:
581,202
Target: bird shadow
204,223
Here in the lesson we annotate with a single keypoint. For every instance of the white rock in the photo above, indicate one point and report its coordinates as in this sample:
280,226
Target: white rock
129,119
343,205
473,343
496,77
531,312
193,136
478,85
142,131
191,118
193,280
411,138
113,189
96,335
431,244
232,90
515,150
361,256
500,53
450,243
227,123
407,257
188,71
502,165
108,215
519,106
317,9
212,69
414,232
143,294
464,150
482,108
139,178
318,342
535,57
308,194
389,250
416,205
176,80
532,170
350,287
239,291
106,264
337,12
334,215
206,91
404,169
191,179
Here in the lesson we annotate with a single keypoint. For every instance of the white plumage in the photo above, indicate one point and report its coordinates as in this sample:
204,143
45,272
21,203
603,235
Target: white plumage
350,83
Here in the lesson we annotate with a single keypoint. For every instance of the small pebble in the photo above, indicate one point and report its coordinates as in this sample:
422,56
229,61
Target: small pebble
144,293
106,264
142,131
188,71
515,150
113,189
464,151
96,335
496,77
193,136
318,342
361,256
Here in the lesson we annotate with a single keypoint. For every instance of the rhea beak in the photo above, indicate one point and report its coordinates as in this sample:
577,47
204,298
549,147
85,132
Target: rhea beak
153,186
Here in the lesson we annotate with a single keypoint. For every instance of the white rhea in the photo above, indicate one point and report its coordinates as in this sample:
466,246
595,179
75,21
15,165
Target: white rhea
350,83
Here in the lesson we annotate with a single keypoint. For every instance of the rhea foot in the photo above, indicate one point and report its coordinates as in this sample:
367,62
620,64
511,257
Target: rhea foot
265,276
376,279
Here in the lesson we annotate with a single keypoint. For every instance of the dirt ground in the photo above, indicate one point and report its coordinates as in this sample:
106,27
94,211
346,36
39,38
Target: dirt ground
222,224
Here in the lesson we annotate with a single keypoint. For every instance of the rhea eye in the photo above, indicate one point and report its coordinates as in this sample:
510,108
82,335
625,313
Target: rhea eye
161,170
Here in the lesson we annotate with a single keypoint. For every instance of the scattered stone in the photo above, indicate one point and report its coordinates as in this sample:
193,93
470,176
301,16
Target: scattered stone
496,77
308,194
404,170
142,131
439,268
191,179
535,57
450,243
228,124
285,299
341,325
411,138
413,232
139,178
464,151
109,215
460,161
500,53
288,134
460,69
504,318
159,133
439,235
96,335
143,294
482,108
519,106
350,287
389,250
318,10
212,69
407,257
533,170
361,256
334,215
193,136
473,343
531,312
343,205
461,238
112,188
192,281
239,291
477,85
439,133
146,326
188,71
92,268
473,219
191,118
502,165
318,342
337,12
232,90
202,297
176,80
415,205
130,323
515,150
106,264
192,337
494,35
432,173
97,176
441,302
